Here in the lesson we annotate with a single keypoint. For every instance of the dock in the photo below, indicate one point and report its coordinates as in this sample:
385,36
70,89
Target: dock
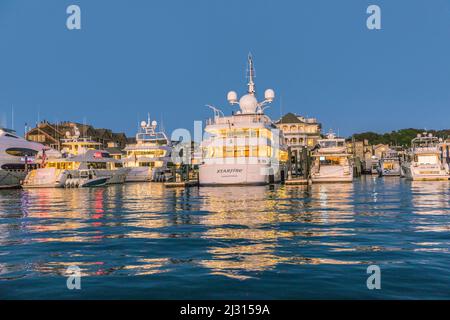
298,182
181,184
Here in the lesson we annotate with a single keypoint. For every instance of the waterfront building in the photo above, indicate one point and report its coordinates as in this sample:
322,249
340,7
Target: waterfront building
53,134
300,135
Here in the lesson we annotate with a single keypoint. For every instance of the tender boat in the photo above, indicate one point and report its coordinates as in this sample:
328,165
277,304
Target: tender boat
246,147
425,160
149,159
331,162
86,178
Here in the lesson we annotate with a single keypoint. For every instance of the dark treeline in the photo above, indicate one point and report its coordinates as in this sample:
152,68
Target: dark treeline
401,137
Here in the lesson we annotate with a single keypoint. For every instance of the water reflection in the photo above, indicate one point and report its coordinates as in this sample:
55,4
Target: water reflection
236,232
431,204
247,224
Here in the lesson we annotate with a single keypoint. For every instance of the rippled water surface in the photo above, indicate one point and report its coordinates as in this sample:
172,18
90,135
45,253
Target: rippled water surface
148,241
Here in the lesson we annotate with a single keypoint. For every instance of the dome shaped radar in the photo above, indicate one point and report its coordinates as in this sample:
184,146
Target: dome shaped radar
248,103
232,97
269,95
154,123
143,124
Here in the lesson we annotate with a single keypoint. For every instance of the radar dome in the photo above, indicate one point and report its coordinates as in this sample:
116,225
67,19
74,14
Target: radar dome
143,124
248,103
232,97
154,123
269,94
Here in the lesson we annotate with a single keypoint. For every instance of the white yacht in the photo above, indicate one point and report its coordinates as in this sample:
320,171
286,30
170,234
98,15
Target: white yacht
390,164
17,156
331,162
150,157
246,147
78,155
424,160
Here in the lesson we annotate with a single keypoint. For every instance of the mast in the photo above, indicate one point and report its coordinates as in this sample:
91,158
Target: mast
250,75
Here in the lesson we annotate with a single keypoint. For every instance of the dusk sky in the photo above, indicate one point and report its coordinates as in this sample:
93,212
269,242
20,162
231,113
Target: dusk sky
170,58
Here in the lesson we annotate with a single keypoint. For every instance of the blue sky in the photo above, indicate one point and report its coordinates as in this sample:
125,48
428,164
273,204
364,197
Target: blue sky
172,57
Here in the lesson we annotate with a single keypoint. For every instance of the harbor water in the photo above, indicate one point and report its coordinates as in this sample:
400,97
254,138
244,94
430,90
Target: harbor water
145,241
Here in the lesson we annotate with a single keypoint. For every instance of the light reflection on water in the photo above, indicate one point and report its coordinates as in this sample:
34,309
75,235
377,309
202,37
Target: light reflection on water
256,236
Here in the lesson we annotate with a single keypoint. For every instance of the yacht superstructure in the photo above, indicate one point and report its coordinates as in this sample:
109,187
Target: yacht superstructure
77,156
246,147
17,157
424,160
149,158
331,162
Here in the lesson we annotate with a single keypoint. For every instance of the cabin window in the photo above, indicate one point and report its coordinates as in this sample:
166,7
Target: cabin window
96,165
21,152
13,166
331,161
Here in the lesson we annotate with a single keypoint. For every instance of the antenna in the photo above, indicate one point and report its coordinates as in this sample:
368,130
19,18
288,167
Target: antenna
12,117
250,75
281,107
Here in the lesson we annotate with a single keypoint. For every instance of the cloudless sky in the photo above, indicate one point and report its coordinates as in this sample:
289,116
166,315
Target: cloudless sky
172,57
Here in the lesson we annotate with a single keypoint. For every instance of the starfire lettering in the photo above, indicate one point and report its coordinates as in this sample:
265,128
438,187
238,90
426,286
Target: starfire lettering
229,170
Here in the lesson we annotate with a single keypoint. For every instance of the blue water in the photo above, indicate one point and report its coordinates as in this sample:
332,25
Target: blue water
282,242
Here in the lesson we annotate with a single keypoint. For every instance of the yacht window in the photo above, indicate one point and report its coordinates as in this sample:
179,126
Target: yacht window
96,165
427,159
13,166
331,161
11,136
21,152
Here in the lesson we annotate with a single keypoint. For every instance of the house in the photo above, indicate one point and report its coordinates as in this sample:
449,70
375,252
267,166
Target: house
51,134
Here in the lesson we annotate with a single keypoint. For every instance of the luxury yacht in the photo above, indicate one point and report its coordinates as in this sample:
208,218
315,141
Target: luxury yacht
17,156
246,147
150,157
77,156
425,160
390,164
331,162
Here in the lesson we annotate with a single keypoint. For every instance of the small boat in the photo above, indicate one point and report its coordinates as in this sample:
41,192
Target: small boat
85,179
374,165
390,164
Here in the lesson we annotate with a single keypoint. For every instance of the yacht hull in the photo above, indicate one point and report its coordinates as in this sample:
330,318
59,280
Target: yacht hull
424,174
238,174
45,178
332,174
9,179
139,174
54,178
